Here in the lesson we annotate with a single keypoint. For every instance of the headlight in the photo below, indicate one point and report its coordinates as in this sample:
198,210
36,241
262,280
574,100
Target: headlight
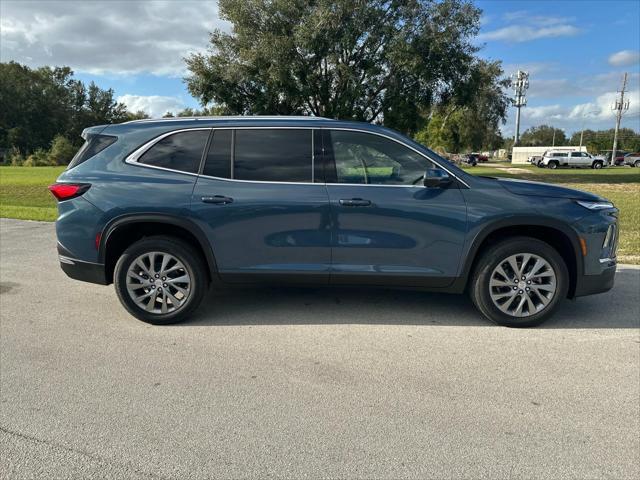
595,205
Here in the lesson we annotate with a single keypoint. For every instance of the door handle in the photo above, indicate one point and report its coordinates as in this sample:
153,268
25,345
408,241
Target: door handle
355,202
218,199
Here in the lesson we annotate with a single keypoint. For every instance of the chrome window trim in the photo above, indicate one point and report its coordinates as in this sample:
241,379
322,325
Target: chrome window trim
132,158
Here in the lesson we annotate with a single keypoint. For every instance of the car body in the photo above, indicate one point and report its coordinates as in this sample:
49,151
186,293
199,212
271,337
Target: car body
480,157
470,159
632,159
183,204
570,158
535,159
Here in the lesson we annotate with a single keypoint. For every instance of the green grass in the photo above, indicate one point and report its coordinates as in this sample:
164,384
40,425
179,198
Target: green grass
24,194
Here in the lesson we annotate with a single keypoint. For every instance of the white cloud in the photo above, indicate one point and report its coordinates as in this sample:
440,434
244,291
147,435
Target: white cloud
523,26
153,105
526,33
624,58
116,37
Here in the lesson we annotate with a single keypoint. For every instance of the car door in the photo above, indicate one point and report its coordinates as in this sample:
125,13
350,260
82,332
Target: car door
263,206
387,227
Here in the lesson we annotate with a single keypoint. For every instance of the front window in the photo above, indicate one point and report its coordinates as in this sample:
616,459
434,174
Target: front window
364,158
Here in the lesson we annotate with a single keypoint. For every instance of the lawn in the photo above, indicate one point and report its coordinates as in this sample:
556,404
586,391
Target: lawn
24,194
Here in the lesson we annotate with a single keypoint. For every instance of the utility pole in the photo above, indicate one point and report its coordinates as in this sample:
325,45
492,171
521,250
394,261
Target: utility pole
584,116
553,142
520,84
619,107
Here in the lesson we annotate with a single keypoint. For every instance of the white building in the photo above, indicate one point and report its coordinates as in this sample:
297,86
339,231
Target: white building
521,154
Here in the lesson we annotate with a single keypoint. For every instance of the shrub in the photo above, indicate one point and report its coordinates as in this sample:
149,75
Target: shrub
39,158
14,157
61,152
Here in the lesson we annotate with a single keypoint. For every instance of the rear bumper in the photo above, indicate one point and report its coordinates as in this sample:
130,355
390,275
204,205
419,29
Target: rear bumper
81,270
591,284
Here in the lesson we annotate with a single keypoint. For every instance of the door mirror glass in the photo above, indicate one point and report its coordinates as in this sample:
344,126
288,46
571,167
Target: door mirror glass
436,177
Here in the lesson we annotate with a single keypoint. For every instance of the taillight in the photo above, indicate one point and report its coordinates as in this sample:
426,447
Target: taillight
66,191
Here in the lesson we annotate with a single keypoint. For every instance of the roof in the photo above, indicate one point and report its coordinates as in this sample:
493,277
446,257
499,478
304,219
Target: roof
223,118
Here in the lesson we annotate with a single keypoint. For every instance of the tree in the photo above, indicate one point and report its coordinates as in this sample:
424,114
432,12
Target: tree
380,60
599,140
542,136
61,151
38,104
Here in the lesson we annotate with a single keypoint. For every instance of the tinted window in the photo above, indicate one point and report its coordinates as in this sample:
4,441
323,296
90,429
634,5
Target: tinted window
218,163
92,146
277,155
560,154
367,158
180,151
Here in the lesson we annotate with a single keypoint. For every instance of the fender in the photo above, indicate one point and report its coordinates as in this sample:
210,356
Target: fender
520,221
182,222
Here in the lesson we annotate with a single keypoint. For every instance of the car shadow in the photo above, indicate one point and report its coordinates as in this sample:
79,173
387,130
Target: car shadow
618,308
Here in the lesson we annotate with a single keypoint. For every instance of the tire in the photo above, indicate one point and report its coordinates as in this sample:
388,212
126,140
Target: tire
552,165
596,165
187,268
481,290
636,164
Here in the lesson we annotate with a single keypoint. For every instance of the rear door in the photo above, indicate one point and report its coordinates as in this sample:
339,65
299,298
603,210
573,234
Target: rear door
388,228
263,205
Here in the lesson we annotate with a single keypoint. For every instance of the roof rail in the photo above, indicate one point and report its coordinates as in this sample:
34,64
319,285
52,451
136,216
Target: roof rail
229,117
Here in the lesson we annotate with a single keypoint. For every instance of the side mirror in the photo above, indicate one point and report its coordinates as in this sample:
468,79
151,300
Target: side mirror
436,178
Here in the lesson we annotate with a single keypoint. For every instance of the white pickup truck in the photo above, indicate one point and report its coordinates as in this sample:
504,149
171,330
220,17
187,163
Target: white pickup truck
564,158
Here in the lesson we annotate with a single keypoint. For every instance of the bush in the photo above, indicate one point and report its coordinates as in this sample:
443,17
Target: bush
14,157
61,152
39,158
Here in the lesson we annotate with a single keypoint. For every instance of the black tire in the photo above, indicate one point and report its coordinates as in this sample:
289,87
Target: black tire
636,164
597,165
193,263
552,165
479,283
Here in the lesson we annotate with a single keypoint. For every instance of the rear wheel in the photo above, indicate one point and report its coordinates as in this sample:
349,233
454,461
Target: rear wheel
553,165
160,280
519,282
636,163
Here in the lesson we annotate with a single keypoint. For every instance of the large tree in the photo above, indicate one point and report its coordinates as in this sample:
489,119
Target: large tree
542,136
38,104
376,60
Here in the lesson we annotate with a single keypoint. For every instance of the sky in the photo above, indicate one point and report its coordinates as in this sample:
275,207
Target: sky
575,51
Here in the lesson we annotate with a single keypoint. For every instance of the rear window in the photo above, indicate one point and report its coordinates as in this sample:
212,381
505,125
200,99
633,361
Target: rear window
278,155
92,146
181,151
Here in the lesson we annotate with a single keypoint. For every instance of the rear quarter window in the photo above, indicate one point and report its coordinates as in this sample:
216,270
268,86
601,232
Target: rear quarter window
180,151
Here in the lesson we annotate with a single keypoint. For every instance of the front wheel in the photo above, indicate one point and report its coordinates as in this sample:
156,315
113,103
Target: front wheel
597,165
519,282
160,280
636,164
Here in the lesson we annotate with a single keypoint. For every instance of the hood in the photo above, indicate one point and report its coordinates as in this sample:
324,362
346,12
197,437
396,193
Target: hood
539,189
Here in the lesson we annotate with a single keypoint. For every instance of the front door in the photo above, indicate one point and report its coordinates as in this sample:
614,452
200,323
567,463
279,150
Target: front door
258,200
388,228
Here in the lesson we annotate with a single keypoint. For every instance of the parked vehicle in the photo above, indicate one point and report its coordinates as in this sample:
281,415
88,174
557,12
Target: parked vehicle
619,160
562,158
535,160
480,157
471,159
166,209
632,159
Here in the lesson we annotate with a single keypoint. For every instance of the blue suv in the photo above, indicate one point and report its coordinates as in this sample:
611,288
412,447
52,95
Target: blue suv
166,208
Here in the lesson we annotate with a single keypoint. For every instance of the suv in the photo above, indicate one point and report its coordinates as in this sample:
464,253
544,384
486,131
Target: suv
632,159
165,209
563,158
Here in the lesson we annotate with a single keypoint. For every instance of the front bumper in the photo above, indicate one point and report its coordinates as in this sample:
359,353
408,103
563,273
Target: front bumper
591,284
79,269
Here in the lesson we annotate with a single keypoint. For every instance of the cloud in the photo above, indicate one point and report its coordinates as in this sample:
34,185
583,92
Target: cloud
624,58
107,37
523,26
153,105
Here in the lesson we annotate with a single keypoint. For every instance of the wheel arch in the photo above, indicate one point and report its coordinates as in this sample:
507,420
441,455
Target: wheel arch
125,230
553,232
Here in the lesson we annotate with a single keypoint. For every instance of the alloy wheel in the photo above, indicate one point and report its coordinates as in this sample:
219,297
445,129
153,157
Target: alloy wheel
522,285
158,282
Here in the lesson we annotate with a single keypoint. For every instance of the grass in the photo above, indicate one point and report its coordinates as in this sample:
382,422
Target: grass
24,194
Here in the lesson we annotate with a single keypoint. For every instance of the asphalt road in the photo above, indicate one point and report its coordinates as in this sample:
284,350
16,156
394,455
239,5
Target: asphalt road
320,383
